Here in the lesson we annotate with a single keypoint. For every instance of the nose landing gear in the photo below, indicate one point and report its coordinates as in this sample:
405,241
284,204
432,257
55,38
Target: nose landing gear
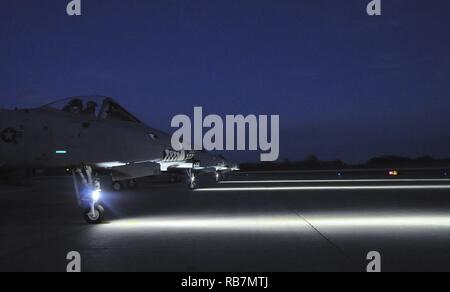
87,188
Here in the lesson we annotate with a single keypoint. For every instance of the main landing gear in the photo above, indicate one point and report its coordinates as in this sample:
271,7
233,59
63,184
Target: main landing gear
192,179
118,186
219,177
88,190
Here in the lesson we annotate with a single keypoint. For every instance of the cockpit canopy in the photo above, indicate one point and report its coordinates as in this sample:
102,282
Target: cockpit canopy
104,108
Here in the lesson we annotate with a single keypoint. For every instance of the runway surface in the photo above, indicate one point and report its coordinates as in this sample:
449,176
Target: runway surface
263,222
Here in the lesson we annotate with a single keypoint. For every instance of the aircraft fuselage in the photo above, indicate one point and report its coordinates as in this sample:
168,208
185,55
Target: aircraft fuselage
40,138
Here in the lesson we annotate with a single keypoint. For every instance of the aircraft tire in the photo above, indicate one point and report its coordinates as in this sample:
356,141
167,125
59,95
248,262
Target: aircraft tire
192,185
132,184
117,186
97,218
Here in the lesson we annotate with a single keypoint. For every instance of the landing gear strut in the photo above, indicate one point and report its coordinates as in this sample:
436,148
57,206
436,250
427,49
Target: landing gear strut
218,177
87,188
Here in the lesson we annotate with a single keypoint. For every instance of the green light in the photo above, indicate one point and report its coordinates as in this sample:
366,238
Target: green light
61,152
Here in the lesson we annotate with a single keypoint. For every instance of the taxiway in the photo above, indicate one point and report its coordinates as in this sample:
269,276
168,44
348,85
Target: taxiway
249,223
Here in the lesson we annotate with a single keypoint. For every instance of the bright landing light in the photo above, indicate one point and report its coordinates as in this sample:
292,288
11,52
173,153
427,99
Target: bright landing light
96,195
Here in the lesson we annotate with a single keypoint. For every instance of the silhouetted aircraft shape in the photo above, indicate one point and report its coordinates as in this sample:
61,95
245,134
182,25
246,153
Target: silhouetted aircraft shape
89,134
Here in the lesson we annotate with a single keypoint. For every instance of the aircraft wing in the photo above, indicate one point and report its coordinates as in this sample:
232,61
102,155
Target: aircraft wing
202,162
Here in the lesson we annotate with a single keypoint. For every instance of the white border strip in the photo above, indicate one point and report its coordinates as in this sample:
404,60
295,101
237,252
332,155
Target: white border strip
328,188
333,181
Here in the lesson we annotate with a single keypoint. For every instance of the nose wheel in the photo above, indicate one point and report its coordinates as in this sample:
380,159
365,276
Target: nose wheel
94,215
88,191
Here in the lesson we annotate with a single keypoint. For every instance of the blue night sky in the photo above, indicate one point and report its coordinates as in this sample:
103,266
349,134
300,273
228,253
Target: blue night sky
346,85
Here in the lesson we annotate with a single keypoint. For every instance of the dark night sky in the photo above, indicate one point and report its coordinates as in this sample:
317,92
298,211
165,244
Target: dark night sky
346,85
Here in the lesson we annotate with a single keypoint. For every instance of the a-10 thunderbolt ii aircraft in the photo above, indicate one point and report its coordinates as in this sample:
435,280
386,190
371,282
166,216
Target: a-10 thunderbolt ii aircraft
89,134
